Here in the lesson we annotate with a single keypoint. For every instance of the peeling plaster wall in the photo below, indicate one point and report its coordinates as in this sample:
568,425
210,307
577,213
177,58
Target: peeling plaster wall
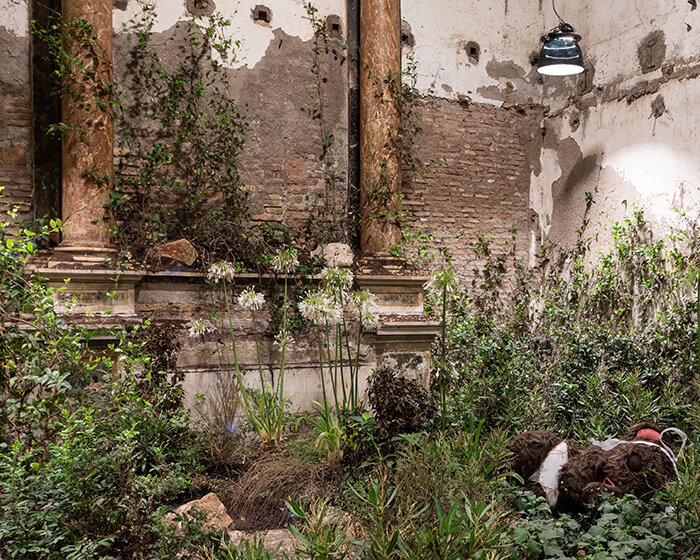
480,141
15,106
255,38
273,75
478,51
628,124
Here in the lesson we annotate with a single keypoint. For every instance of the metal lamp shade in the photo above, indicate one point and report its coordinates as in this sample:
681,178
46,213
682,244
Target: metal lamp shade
560,54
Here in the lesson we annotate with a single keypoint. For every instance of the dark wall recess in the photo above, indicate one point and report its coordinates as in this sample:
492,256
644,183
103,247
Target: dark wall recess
201,7
473,51
407,38
47,111
262,14
334,27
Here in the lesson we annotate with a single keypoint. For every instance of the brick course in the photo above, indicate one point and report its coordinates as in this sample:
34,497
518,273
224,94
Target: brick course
15,159
477,169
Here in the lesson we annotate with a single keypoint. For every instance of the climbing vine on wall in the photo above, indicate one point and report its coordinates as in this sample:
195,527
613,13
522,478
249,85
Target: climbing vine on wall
331,220
179,139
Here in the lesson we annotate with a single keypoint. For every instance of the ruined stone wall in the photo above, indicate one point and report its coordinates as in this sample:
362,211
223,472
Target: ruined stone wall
476,160
15,107
626,129
479,123
291,84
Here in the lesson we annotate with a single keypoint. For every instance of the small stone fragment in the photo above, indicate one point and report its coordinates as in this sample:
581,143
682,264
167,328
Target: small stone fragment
336,254
275,540
180,250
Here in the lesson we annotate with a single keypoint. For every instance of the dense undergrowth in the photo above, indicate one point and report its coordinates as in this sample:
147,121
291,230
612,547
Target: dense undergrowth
96,448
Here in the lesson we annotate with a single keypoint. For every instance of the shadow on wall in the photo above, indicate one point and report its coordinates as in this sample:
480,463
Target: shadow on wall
652,175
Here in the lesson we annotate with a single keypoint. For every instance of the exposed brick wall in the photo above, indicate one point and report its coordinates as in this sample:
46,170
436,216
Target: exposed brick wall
15,123
479,160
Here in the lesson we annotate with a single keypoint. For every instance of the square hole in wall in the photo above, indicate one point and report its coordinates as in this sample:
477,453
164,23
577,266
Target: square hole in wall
473,51
200,7
262,14
334,27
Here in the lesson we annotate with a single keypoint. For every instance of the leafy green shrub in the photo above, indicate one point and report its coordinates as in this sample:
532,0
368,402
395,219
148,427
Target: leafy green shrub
440,469
583,345
323,533
401,405
467,530
43,358
621,528
98,484
88,457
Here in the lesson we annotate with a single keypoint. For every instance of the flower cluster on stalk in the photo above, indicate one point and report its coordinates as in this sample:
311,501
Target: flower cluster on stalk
285,261
222,270
336,279
283,340
250,299
364,306
443,280
321,308
201,328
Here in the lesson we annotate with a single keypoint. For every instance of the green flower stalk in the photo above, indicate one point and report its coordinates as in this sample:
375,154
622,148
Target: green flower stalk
364,306
266,414
442,285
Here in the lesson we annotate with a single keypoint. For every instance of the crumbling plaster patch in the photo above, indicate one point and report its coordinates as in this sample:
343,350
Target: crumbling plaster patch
613,37
15,75
507,34
282,163
290,16
540,188
631,157
633,121
14,16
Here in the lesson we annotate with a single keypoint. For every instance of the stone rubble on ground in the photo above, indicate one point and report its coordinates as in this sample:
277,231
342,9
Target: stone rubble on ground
214,512
274,539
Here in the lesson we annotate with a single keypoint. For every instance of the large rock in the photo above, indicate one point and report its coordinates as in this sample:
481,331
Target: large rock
180,251
336,254
214,512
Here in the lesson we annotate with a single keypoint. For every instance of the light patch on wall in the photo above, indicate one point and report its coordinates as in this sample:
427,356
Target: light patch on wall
14,16
541,200
289,15
665,177
455,39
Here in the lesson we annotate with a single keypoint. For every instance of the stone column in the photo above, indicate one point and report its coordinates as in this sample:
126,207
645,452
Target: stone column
380,166
88,143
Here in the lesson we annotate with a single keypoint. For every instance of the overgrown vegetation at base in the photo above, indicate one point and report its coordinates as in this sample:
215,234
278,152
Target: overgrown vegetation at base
90,450
96,449
584,345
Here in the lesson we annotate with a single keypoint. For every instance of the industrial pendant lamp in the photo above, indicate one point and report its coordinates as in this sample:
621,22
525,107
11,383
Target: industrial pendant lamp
560,54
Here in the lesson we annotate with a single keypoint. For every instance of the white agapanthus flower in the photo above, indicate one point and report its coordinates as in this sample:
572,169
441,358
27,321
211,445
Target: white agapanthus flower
364,306
336,279
443,280
285,261
250,299
222,270
283,340
201,328
320,308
